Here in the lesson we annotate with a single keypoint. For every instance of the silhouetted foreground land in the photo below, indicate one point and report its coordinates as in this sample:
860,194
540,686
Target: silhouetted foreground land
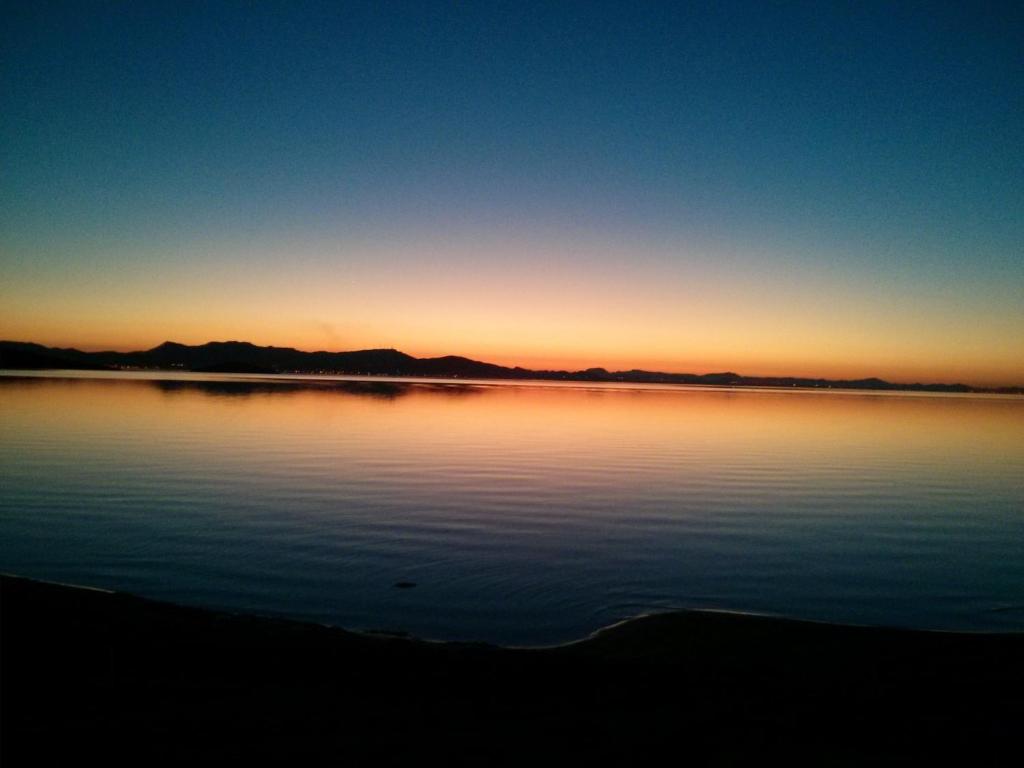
122,679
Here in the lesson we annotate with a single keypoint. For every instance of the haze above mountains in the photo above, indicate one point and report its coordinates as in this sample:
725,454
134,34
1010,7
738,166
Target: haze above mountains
244,357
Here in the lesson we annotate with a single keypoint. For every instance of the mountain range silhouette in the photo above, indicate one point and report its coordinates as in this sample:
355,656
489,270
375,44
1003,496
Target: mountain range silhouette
244,357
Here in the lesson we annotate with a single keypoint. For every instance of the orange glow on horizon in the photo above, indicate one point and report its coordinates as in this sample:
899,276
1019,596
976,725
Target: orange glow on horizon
765,364
535,305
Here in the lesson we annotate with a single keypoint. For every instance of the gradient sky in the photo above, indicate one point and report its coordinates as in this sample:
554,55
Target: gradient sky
772,189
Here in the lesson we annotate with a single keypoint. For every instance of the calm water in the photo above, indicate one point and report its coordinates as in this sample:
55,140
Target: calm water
525,514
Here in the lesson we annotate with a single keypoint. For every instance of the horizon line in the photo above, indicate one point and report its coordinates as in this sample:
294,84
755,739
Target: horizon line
567,370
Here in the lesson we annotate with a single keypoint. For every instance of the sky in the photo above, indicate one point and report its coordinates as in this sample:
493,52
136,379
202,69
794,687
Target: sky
776,189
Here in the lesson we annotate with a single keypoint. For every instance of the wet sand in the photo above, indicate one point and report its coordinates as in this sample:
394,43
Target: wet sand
90,674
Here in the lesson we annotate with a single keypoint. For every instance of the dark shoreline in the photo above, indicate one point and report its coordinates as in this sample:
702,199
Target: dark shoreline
125,679
243,357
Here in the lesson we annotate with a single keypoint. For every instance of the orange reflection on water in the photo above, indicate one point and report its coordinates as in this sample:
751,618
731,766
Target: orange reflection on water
534,512
414,418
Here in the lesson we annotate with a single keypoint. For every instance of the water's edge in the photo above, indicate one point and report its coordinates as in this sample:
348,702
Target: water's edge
635,629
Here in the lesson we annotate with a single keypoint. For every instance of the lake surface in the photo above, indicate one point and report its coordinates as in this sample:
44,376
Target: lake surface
525,514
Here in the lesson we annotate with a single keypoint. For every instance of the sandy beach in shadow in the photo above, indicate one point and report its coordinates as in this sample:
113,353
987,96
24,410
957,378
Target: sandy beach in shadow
87,673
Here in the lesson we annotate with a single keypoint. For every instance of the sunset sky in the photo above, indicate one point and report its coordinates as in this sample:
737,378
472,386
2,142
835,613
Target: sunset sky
795,189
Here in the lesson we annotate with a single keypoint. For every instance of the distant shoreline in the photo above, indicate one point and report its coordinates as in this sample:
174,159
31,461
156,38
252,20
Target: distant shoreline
233,357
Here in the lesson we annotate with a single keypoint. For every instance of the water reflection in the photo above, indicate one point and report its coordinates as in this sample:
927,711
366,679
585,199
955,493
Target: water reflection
379,389
525,513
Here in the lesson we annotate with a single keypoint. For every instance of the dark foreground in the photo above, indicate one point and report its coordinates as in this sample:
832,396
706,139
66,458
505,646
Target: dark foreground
122,679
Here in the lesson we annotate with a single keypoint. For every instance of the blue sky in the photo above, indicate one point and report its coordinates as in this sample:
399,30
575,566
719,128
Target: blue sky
813,150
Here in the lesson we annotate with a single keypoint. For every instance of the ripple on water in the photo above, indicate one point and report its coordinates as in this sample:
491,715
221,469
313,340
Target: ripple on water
524,515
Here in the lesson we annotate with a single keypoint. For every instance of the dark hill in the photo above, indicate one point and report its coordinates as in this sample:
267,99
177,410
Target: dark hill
244,357
24,355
